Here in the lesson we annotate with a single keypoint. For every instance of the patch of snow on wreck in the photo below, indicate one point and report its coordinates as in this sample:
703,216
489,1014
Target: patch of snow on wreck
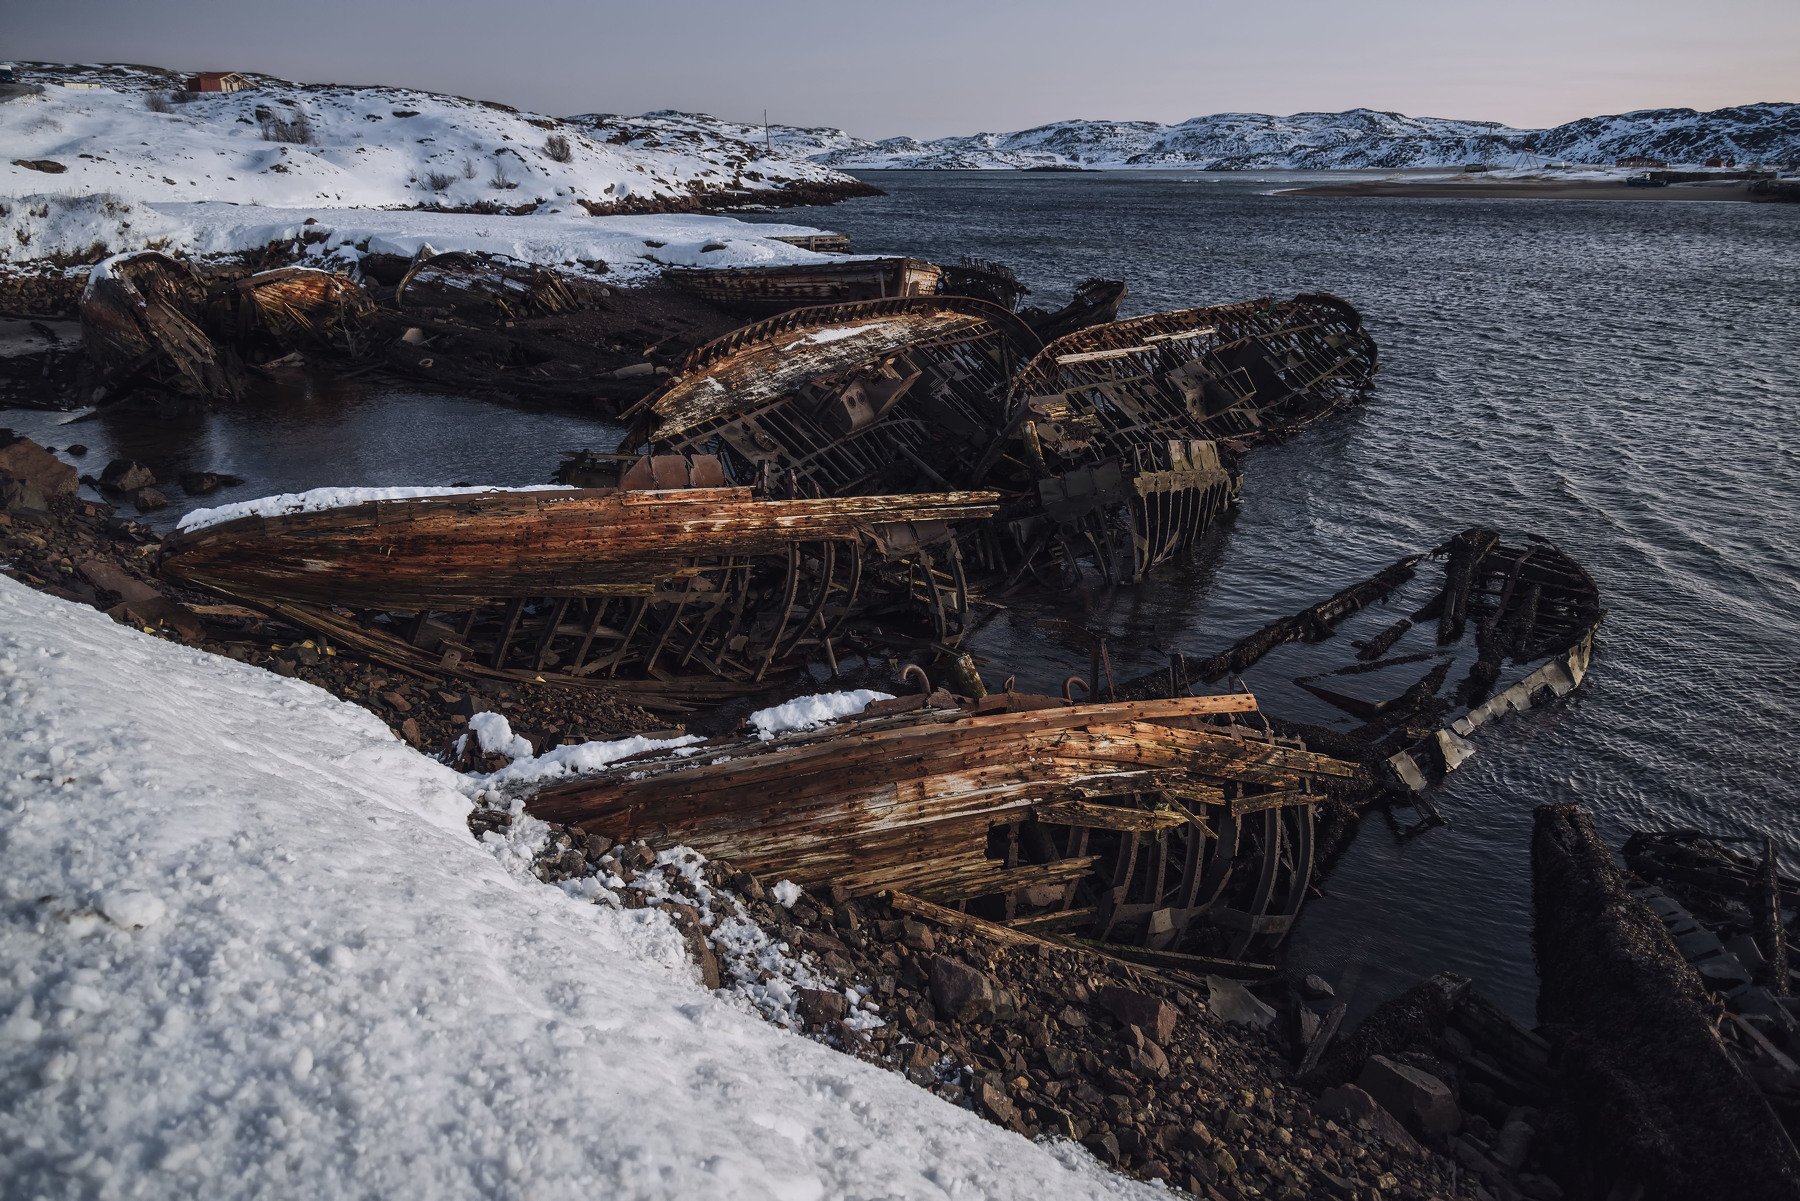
251,950
318,500
805,712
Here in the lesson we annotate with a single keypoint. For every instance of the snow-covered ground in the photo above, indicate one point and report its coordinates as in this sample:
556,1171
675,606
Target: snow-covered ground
250,949
630,248
283,143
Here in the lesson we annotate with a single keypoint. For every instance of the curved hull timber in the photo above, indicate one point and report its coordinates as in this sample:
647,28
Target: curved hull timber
1487,627
878,397
1165,825
138,324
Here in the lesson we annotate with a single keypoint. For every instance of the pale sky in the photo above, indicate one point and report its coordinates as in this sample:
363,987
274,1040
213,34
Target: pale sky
937,67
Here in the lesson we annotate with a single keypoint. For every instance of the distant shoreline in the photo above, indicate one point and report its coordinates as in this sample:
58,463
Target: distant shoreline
1533,189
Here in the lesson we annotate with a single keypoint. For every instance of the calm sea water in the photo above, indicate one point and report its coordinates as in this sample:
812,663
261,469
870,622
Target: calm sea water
1621,377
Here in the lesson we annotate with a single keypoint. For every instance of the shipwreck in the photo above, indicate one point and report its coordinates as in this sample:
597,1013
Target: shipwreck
1173,827
672,586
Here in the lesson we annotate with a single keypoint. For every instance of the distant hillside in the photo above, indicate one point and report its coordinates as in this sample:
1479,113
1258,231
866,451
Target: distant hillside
1359,138
133,134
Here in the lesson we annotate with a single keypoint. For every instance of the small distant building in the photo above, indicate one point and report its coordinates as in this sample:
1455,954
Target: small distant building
1641,160
1721,161
217,81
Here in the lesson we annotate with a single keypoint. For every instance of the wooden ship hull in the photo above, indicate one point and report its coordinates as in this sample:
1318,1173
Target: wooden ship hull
139,325
669,593
292,306
1487,628
1162,825
485,287
1116,446
765,291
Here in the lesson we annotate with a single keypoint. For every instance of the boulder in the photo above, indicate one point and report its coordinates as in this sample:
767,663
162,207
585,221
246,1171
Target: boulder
126,475
23,460
1348,1103
960,993
1232,1002
1153,1015
822,1006
1416,1097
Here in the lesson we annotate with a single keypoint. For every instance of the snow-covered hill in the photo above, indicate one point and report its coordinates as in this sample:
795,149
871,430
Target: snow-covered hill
131,132
1359,138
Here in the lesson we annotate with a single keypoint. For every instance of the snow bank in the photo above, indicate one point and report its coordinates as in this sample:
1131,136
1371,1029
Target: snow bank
624,250
319,499
632,248
44,226
251,950
805,712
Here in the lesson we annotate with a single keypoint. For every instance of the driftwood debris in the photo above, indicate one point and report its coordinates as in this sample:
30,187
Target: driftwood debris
1161,824
681,589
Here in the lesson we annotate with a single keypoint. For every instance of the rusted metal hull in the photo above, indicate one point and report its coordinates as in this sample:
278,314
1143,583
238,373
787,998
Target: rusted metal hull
763,291
598,585
1160,824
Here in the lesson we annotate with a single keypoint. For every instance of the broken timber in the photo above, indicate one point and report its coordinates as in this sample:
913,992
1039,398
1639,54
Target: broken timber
1162,824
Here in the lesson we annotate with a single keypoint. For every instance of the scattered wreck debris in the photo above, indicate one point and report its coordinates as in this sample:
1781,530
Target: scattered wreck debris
289,307
486,286
672,586
1650,1085
1167,826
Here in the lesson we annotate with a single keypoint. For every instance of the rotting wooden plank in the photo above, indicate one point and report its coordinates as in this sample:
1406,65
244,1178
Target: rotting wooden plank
1096,816
990,878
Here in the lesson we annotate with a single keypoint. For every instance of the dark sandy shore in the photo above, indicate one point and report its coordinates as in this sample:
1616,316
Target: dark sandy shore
1477,187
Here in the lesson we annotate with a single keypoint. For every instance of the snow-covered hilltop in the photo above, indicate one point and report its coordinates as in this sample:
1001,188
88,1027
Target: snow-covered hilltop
1359,138
132,132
